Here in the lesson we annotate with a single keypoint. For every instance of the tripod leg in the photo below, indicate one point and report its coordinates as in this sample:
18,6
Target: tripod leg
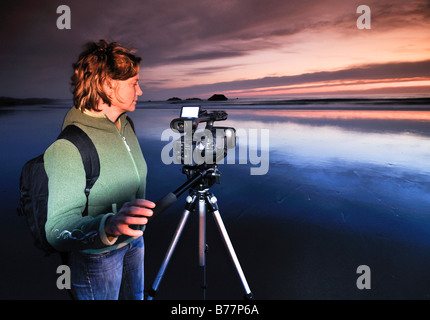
169,253
202,231
202,241
229,246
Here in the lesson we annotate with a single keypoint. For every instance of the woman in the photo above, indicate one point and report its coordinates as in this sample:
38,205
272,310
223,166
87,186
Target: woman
104,248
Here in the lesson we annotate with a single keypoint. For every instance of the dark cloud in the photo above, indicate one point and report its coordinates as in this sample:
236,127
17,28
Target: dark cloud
387,71
205,56
209,70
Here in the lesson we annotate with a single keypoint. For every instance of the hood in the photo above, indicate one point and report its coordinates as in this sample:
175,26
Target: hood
91,119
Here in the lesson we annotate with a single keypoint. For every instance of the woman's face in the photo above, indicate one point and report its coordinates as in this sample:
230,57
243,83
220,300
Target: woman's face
126,93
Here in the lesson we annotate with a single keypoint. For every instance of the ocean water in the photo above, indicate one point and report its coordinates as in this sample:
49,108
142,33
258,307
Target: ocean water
312,191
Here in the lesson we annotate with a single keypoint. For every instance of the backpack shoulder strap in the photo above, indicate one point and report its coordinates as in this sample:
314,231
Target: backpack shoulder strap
90,157
131,123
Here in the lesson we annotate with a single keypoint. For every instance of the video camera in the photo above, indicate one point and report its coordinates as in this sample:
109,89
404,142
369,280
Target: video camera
208,146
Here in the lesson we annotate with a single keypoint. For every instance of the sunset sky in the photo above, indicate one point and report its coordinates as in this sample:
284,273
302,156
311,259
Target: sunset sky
242,48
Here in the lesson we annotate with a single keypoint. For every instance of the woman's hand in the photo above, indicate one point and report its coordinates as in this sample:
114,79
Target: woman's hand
131,213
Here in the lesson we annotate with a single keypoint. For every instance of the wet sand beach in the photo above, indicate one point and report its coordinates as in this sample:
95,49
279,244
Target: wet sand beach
342,190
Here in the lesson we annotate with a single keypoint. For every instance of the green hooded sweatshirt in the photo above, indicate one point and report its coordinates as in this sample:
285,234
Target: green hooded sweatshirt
122,179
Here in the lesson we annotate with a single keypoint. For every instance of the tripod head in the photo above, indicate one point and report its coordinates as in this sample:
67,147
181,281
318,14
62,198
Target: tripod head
199,177
211,175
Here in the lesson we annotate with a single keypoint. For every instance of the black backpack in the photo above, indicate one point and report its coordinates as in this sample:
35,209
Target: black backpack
33,185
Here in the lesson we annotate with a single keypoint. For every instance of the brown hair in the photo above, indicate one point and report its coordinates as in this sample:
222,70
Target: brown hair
99,63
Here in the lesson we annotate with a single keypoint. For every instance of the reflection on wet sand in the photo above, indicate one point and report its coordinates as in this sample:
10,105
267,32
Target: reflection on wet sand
314,137
344,114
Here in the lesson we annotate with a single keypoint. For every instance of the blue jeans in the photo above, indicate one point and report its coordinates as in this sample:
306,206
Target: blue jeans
109,276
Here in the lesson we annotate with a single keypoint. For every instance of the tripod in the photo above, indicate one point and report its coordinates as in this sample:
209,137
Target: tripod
202,199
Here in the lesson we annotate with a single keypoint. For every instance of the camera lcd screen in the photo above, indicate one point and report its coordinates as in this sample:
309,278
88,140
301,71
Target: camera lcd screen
190,112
